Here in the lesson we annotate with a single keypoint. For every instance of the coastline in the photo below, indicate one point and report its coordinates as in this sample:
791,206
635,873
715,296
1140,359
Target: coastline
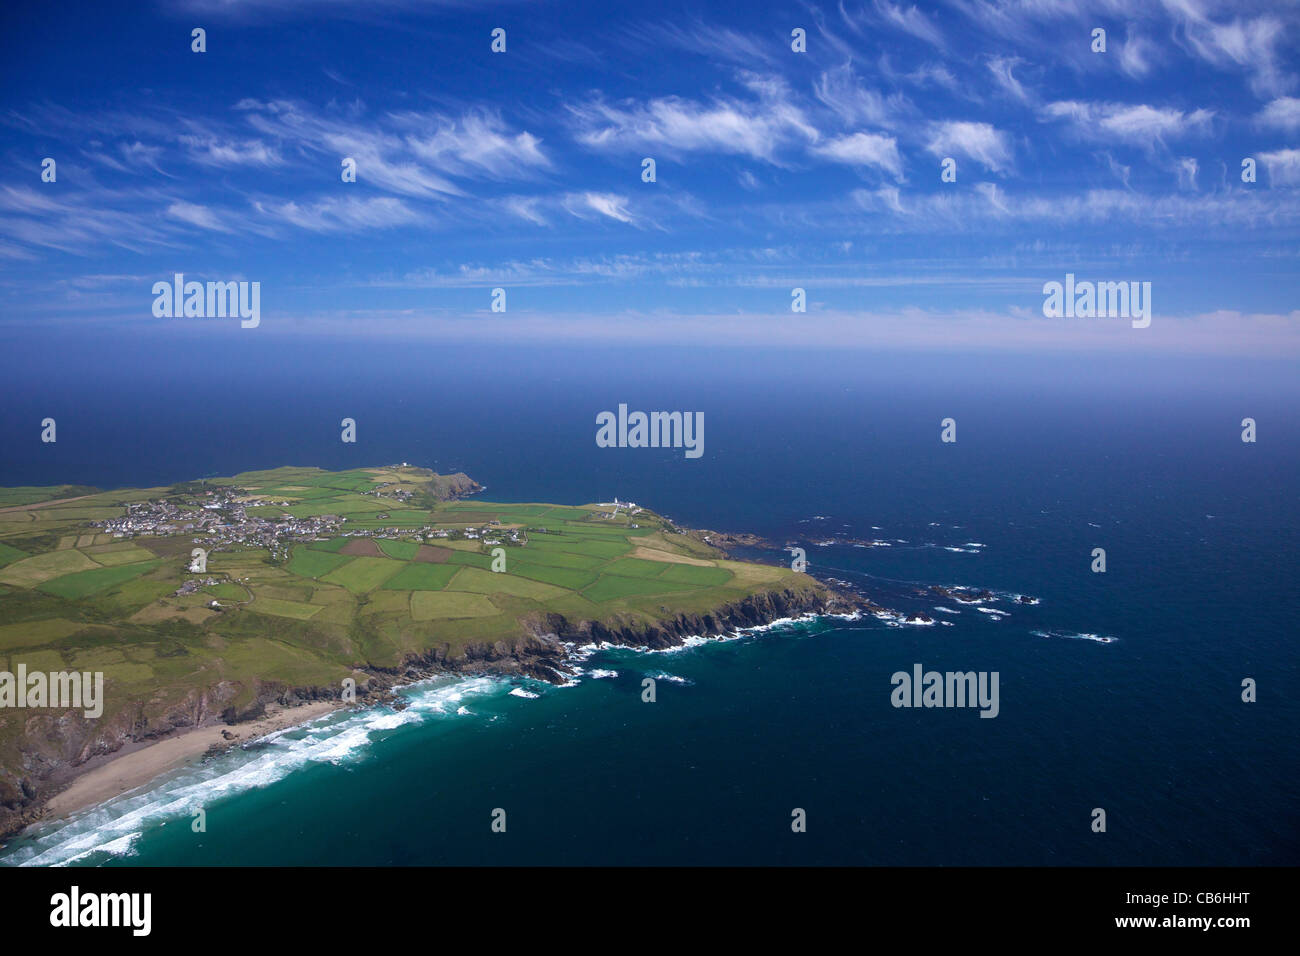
110,775
545,655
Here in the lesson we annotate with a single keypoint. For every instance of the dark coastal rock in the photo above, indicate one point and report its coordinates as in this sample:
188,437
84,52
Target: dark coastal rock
963,595
753,611
722,540
56,746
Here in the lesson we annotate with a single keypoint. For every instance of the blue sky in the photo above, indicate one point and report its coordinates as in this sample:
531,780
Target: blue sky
775,169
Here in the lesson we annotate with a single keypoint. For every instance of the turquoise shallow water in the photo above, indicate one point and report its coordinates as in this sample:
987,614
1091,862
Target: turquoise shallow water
1149,727
1201,534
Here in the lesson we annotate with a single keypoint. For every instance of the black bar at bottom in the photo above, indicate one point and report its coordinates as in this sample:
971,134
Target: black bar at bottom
337,905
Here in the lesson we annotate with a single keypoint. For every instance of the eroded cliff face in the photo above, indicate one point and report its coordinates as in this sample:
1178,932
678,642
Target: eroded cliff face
456,486
757,609
54,746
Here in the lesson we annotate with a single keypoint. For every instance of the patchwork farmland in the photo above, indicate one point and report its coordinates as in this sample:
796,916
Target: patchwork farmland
311,576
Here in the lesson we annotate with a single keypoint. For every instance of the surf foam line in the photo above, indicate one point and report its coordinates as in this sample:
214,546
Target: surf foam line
582,652
114,827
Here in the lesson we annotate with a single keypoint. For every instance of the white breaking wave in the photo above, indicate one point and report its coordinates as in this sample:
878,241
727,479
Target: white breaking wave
1086,636
673,678
113,828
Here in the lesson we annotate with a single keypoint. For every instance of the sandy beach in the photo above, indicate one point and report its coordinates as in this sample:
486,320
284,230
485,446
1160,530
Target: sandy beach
135,766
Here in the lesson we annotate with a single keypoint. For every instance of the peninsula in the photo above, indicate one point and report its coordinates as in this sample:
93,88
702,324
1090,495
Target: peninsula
236,601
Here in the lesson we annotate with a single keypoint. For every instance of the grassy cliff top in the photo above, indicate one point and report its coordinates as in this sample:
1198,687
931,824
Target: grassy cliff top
311,575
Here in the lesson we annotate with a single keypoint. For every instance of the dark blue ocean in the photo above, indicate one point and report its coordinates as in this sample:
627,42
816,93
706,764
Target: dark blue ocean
1055,456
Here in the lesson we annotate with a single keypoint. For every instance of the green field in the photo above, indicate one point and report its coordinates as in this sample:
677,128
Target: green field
82,583
429,605
402,550
298,612
315,564
360,575
294,609
422,577
573,579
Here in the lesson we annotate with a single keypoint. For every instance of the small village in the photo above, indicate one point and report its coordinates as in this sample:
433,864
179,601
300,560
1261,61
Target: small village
219,520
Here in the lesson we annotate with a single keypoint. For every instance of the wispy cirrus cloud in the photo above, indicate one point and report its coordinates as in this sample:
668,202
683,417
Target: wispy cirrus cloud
983,143
1139,125
337,214
476,143
213,151
760,127
1003,70
841,90
990,206
1282,113
410,153
863,149
715,41
196,215
1137,56
1230,41
1283,166
910,20
608,205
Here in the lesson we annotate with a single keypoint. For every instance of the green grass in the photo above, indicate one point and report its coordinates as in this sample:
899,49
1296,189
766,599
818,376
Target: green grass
83,583
333,544
574,579
118,556
227,592
292,609
395,519
360,575
696,576
8,555
36,633
552,558
422,577
470,558
490,582
636,568
575,544
402,550
308,621
314,564
431,605
612,587
42,567
10,497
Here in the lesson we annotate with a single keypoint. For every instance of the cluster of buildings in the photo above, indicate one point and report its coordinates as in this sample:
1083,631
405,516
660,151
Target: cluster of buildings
379,492
220,520
629,508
